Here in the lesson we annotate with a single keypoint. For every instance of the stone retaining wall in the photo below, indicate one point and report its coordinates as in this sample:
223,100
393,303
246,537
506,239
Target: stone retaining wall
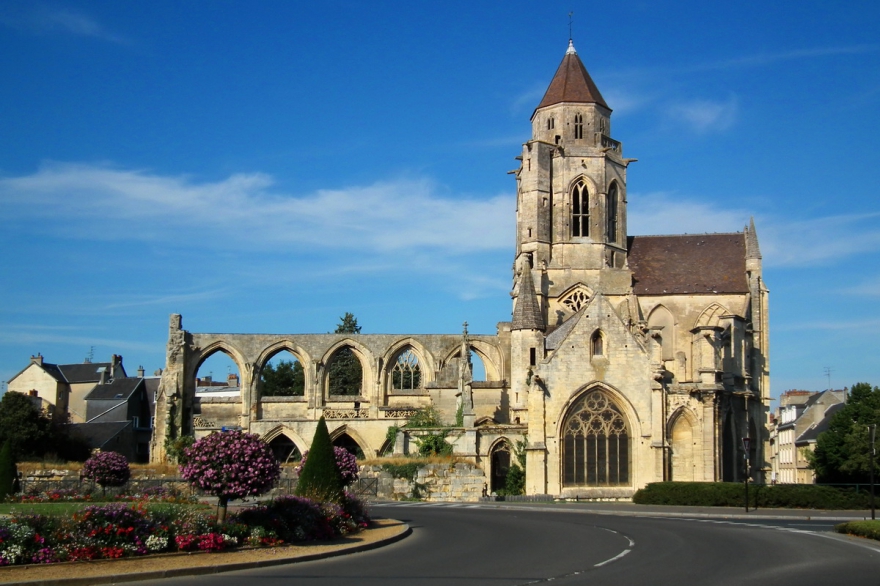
433,482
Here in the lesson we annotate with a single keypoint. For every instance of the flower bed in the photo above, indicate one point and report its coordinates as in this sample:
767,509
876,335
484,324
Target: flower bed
72,495
115,530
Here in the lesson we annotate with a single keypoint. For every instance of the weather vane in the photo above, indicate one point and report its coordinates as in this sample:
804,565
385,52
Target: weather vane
569,23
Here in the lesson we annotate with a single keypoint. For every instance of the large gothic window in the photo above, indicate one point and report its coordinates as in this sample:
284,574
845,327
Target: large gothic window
345,373
611,214
595,448
406,375
580,210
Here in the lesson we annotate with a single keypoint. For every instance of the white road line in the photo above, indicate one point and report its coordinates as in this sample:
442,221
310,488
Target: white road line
617,557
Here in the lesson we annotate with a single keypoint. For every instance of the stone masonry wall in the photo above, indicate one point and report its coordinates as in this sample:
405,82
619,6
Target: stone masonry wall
433,482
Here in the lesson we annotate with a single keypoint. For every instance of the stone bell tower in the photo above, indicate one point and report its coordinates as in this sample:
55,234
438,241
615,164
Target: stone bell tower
571,197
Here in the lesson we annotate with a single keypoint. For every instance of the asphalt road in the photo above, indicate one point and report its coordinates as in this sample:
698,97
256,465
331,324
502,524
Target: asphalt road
489,545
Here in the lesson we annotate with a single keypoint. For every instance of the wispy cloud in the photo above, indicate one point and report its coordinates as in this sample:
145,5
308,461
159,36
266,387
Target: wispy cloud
243,212
868,288
39,18
832,326
20,336
670,213
763,59
704,116
150,300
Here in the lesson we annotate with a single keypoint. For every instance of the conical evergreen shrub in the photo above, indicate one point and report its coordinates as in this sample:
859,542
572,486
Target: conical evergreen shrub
320,479
8,471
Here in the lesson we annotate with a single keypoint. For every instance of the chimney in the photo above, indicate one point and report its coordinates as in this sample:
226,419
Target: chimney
38,359
140,372
115,361
232,380
103,379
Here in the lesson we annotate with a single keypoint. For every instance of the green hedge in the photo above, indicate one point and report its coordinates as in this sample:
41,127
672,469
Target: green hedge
730,494
869,529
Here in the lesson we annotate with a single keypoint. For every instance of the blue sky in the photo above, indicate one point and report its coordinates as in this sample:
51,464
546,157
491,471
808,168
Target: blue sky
268,166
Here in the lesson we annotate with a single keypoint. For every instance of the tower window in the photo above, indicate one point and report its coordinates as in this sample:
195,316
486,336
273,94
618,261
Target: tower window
532,357
611,214
580,210
551,123
578,125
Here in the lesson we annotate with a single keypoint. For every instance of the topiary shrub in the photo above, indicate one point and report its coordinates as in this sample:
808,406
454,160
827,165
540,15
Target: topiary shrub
346,462
107,469
231,465
732,494
320,478
8,471
868,529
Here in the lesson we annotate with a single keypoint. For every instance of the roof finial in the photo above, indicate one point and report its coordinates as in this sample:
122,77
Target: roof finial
570,13
570,50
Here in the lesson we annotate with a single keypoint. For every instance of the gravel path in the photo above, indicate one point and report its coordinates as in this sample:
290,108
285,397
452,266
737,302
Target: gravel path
381,531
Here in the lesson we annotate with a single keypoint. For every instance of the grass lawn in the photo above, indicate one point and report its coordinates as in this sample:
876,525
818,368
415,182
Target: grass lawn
71,508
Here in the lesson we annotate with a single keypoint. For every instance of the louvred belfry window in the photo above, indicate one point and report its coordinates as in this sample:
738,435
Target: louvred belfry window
580,210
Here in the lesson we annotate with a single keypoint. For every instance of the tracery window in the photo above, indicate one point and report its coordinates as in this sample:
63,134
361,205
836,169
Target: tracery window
611,214
406,375
580,210
576,300
578,125
595,447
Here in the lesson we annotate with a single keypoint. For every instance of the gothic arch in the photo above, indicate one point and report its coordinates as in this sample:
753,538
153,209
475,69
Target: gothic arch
661,317
711,316
199,357
683,434
597,440
612,212
598,344
591,185
363,355
620,399
284,431
344,430
500,459
286,345
427,367
490,355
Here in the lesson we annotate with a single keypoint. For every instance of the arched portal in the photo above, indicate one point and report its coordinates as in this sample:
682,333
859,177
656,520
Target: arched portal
345,374
500,462
349,444
681,440
285,450
595,442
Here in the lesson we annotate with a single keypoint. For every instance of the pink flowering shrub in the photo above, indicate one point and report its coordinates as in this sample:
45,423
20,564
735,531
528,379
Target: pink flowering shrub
231,465
107,469
345,461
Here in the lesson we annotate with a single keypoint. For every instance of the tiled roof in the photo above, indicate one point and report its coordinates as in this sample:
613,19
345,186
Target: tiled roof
688,263
99,433
572,83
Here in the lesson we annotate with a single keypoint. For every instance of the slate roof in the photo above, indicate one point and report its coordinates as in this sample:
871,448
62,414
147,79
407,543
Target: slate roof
86,372
688,263
118,388
812,433
99,433
572,83
527,313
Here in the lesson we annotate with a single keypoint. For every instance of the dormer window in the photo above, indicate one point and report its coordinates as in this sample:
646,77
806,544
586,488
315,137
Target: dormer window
580,210
578,126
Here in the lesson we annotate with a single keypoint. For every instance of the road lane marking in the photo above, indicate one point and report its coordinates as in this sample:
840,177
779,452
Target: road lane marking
617,557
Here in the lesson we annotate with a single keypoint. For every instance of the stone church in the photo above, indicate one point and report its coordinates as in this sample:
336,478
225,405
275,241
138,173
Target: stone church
628,359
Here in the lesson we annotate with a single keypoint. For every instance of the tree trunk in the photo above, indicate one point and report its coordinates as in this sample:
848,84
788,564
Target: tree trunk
221,509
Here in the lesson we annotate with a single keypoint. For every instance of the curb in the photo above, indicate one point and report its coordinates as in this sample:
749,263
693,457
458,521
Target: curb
219,568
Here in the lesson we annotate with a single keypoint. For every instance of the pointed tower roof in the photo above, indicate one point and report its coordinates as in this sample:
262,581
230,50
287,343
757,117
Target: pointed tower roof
752,248
572,83
527,312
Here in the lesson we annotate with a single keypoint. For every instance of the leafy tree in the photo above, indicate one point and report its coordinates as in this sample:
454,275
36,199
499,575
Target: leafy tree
231,465
8,471
348,324
320,478
27,428
843,450
434,444
285,380
107,469
516,474
345,371
175,448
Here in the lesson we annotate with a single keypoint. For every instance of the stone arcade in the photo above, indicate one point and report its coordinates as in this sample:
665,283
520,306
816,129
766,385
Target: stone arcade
629,359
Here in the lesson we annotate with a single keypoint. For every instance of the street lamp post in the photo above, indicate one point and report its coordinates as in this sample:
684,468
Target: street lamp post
873,429
747,441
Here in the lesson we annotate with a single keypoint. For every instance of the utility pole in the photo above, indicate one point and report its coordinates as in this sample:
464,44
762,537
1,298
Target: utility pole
873,429
747,441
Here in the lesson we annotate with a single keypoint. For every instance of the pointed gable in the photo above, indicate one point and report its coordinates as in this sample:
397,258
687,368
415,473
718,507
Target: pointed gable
572,83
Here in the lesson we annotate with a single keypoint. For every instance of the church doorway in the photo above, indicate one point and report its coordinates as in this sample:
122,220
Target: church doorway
595,446
500,466
682,443
285,450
